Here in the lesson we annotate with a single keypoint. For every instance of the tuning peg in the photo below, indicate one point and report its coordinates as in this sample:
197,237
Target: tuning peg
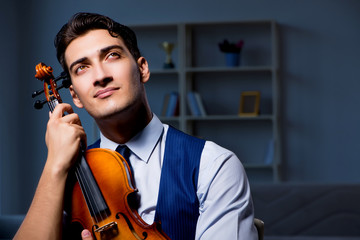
64,84
62,75
39,104
37,93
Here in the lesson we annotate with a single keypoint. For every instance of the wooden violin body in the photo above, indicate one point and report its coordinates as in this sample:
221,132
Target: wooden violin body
100,196
118,220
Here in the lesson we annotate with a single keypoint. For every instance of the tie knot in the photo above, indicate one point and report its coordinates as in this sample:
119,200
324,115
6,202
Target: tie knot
124,151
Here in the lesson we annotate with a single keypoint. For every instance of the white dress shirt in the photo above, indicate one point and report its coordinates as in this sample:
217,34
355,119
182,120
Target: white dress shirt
226,210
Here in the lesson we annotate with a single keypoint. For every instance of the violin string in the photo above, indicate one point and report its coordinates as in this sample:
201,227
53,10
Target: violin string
94,208
100,211
103,214
81,179
98,214
50,104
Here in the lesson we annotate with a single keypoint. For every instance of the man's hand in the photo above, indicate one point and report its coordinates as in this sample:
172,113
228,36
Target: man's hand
63,137
86,235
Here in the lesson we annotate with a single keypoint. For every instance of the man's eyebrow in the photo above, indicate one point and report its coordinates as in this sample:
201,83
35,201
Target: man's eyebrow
107,49
76,62
102,51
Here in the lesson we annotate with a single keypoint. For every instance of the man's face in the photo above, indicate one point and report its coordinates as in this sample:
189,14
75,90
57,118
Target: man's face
105,77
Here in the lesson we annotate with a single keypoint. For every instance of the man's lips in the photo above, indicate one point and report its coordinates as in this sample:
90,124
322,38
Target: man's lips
103,93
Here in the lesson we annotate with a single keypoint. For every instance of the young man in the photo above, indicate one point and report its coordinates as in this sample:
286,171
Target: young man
108,75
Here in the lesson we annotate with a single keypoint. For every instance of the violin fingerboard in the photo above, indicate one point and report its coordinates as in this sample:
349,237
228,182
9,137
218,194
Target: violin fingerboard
52,104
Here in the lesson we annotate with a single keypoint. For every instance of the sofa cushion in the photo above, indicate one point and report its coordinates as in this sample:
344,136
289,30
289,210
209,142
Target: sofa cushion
308,209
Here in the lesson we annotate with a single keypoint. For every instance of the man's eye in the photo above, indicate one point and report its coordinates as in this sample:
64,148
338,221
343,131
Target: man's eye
80,69
113,55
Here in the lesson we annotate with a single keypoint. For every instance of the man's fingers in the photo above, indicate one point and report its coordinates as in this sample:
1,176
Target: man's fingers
60,109
86,235
72,119
59,113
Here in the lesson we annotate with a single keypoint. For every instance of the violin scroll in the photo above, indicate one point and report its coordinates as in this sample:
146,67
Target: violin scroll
45,73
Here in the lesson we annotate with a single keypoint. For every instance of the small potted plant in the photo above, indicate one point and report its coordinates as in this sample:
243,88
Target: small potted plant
232,52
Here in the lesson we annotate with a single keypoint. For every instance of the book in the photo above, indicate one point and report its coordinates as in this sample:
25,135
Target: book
192,103
200,104
165,104
173,105
195,104
269,156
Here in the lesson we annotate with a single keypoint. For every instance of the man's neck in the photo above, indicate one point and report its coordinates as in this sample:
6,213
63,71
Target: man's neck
123,127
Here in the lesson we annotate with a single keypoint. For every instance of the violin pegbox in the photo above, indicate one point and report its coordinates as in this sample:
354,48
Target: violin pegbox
45,73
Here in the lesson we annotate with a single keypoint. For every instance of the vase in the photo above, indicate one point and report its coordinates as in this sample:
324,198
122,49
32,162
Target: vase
232,59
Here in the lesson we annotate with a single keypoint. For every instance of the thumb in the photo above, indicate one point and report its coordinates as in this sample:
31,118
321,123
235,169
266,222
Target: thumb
86,235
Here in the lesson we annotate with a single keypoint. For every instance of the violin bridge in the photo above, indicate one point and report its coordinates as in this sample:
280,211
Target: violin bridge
108,231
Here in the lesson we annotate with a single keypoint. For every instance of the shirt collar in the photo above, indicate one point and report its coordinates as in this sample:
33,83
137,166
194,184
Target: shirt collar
143,143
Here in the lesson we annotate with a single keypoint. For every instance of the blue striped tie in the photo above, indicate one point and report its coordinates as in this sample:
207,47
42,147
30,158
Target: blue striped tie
133,199
125,152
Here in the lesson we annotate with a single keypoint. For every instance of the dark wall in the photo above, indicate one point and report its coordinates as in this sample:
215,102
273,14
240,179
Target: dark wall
319,73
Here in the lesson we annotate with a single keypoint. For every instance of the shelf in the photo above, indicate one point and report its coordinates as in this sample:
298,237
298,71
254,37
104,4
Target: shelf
230,69
164,71
219,118
201,67
229,118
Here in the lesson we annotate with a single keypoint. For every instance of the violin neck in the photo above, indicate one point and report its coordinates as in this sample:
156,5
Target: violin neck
52,104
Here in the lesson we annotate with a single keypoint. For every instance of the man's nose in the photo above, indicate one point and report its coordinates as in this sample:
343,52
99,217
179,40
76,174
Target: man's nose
102,75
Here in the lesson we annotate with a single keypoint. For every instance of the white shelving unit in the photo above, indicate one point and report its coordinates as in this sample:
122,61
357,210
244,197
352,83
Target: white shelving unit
200,67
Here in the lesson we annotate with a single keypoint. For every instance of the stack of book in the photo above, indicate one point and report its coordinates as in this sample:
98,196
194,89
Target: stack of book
171,105
195,104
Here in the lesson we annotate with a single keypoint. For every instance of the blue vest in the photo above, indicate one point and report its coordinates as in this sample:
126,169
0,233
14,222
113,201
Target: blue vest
178,207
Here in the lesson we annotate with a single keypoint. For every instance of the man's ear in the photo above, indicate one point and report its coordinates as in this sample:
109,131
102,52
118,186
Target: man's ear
75,97
144,69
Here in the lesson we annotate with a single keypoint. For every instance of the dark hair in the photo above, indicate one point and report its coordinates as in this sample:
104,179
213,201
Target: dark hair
81,23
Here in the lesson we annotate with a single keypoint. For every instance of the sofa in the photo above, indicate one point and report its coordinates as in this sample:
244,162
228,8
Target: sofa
308,211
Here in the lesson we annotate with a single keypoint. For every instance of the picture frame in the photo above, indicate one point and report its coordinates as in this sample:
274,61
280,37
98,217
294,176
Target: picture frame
249,104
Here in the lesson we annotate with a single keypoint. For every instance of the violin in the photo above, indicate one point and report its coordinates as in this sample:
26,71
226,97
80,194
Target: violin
101,194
